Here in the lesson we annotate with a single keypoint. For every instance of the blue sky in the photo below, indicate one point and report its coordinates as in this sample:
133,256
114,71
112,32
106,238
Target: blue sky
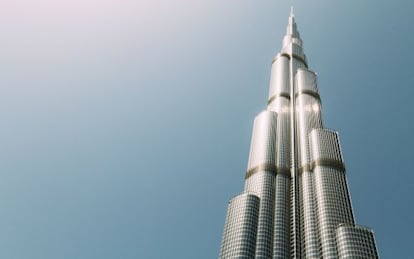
126,124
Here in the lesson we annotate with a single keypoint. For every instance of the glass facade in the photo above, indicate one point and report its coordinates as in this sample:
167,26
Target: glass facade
355,242
261,180
296,202
239,237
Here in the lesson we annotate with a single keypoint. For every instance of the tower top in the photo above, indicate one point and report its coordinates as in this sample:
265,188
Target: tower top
291,12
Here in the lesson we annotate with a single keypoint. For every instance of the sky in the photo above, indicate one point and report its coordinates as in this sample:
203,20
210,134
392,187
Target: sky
125,125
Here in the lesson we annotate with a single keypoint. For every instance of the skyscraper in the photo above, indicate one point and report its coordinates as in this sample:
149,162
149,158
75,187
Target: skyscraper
296,201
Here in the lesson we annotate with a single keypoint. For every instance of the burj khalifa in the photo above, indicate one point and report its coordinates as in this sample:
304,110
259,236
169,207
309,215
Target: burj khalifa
296,202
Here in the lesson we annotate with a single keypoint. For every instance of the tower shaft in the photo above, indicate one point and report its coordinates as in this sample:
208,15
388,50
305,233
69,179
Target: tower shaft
296,202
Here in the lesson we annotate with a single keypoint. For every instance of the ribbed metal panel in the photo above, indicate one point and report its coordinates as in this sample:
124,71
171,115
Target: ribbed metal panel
262,184
308,216
283,145
239,237
279,78
298,60
333,206
333,202
325,145
295,50
308,117
355,242
306,80
281,240
279,101
263,144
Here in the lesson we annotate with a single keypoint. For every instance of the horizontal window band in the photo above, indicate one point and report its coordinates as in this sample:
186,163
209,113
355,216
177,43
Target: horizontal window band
269,168
288,56
285,95
339,165
305,168
301,59
309,92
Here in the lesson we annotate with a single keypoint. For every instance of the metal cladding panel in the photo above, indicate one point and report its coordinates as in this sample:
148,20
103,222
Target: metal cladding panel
239,237
297,64
283,145
325,146
262,183
333,205
308,117
332,196
306,80
298,51
286,40
279,104
355,242
295,50
263,145
308,212
279,78
308,112
281,239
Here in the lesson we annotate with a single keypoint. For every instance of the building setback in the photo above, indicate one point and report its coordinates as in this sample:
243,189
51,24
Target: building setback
296,202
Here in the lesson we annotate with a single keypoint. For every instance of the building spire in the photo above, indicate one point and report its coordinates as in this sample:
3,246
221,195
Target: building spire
291,30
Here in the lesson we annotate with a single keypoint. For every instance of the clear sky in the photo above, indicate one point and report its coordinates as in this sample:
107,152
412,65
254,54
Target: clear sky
125,125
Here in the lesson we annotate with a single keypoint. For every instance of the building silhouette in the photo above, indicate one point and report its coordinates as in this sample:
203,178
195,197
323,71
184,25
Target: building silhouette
296,202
